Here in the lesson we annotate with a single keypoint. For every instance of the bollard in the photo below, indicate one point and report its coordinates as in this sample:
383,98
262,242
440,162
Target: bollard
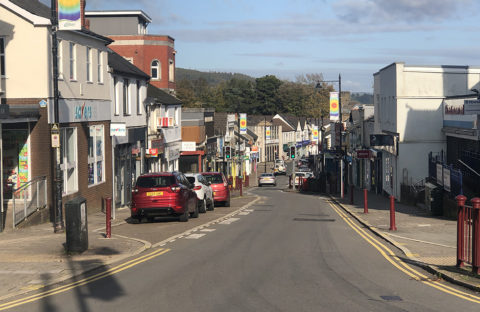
460,228
241,187
351,194
365,201
108,214
392,214
476,235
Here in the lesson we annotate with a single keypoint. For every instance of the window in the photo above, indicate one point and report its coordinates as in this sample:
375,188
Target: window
60,59
155,70
68,161
89,64
96,165
73,61
126,97
2,56
138,99
115,96
176,116
99,67
171,71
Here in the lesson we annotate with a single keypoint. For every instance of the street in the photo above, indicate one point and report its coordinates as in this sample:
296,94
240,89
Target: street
285,252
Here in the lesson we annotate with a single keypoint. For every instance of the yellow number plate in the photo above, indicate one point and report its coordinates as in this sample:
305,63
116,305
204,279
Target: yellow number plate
154,193
214,193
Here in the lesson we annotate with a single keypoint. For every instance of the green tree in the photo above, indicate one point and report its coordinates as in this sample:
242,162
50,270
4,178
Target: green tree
266,90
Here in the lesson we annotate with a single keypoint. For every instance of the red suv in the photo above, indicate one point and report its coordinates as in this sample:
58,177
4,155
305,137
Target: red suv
163,194
220,187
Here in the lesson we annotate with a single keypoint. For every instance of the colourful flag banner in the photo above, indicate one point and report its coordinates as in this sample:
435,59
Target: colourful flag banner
334,107
267,133
315,133
69,15
243,123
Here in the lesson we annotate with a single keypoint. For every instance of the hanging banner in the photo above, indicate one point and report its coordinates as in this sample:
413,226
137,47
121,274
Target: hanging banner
267,133
315,133
243,123
334,107
69,15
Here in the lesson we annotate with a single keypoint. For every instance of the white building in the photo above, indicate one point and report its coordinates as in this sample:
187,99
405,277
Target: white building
408,108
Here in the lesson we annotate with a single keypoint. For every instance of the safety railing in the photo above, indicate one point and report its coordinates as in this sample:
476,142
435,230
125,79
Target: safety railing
29,198
468,233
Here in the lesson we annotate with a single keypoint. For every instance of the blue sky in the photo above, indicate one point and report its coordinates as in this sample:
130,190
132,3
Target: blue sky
288,38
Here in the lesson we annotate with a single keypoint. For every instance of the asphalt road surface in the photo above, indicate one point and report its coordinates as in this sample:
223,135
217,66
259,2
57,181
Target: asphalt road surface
287,252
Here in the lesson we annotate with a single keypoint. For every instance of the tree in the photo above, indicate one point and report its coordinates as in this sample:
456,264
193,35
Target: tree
266,88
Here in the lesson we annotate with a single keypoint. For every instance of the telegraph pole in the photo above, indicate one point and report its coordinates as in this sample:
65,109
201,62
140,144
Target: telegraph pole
55,131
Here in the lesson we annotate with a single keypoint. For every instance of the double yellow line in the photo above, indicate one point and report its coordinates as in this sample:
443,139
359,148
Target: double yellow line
90,279
398,263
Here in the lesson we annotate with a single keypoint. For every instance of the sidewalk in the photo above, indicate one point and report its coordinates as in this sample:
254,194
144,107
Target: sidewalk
35,257
430,242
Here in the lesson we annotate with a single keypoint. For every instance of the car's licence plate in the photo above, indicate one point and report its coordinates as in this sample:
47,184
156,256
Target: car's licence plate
214,193
154,193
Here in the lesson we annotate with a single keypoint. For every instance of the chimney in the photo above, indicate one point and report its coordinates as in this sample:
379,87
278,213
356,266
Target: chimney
82,13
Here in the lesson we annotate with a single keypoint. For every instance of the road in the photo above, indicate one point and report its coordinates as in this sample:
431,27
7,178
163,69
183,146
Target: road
287,252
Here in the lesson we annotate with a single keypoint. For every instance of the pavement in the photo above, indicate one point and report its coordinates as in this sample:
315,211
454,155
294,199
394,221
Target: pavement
427,241
34,258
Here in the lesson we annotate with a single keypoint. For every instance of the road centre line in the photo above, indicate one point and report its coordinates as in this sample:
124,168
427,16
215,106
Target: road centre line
398,263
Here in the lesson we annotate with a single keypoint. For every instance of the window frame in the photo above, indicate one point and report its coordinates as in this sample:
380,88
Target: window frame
93,160
72,50
116,97
126,97
60,59
171,70
65,166
158,68
99,66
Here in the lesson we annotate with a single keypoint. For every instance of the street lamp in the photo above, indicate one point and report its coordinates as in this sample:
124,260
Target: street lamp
338,147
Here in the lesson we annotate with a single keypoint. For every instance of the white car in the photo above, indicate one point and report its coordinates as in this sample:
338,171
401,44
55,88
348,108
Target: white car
203,190
267,178
299,175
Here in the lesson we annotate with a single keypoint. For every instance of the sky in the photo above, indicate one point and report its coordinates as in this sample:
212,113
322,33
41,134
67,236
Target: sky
290,38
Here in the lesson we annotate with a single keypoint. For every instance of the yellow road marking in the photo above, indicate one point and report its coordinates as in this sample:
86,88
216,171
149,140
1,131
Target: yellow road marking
399,264
84,281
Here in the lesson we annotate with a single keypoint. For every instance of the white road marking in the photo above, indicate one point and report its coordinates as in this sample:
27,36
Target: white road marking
229,221
195,236
244,213
207,230
424,225
249,210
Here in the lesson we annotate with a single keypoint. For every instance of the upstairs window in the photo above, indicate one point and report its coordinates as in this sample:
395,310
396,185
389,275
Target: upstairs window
96,165
126,97
2,56
155,70
171,71
73,61
60,59
99,66
89,64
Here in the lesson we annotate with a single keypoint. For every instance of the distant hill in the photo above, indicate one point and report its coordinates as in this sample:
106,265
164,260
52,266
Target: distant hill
212,78
363,98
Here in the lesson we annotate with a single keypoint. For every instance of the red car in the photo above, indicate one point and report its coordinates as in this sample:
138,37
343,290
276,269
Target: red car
220,187
163,194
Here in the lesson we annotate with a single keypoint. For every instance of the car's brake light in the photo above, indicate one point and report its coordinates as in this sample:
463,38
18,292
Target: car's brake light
175,188
196,188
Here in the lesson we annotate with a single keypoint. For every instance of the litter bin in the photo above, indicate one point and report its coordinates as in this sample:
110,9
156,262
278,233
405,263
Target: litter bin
76,225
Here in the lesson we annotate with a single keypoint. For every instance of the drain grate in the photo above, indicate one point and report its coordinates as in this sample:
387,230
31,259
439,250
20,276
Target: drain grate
391,298
314,220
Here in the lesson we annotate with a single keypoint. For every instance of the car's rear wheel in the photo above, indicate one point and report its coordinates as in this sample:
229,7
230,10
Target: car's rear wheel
194,214
184,217
203,206
211,207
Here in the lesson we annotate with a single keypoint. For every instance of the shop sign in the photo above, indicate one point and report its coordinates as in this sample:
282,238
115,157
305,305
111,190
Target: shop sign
152,152
189,146
446,179
363,154
118,129
254,148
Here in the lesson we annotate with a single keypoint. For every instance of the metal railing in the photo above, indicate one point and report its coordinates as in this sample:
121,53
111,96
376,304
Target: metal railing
468,233
29,198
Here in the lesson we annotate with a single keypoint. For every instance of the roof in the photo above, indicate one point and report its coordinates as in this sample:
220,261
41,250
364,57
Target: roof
35,7
138,13
121,66
162,97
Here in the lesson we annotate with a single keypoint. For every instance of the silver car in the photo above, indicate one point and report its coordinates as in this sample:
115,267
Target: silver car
267,179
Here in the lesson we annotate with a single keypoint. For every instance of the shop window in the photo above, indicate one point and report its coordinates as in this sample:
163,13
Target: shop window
126,97
68,160
96,164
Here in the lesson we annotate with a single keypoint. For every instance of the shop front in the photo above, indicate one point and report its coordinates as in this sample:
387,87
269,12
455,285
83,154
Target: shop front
171,156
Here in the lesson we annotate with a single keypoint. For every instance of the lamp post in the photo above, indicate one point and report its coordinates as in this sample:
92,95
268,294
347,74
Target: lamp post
338,147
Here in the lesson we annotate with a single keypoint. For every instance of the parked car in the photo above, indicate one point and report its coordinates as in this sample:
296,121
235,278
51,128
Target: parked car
163,194
203,190
220,187
300,175
267,179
